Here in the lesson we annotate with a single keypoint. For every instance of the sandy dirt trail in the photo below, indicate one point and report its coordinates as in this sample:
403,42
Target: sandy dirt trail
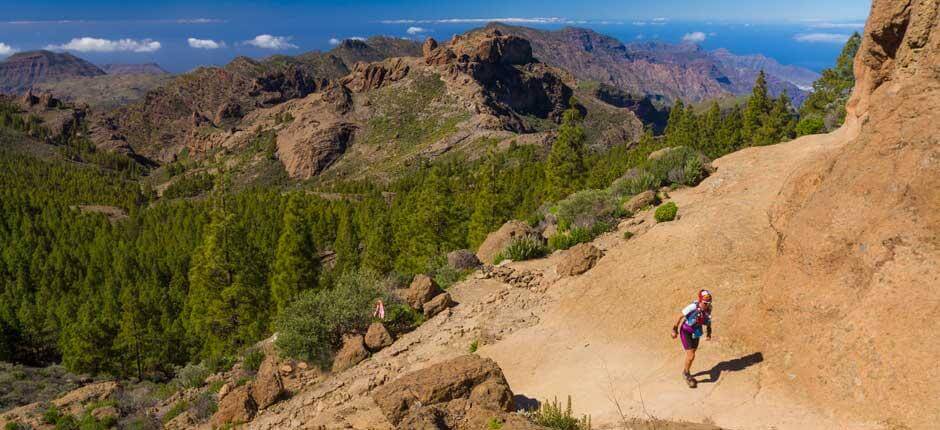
605,340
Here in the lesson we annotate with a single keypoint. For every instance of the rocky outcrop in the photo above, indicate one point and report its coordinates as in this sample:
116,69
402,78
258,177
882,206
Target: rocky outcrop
579,259
463,259
496,241
372,76
857,230
499,77
352,352
437,305
640,201
236,407
377,337
267,388
422,290
455,394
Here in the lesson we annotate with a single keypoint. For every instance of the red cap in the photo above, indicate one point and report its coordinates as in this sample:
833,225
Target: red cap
705,296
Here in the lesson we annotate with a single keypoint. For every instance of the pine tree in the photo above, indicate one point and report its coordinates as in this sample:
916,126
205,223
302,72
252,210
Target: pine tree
377,251
565,168
295,262
824,109
346,244
212,271
758,106
485,217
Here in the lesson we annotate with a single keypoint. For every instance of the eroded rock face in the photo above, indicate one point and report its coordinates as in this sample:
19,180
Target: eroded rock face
422,290
496,241
377,337
861,226
579,259
352,352
640,201
437,305
462,259
371,76
267,388
443,393
236,407
509,83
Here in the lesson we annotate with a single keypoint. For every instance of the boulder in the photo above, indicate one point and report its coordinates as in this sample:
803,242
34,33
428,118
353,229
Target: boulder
352,352
267,387
463,259
377,337
640,201
422,289
579,259
437,305
434,387
496,241
429,45
236,407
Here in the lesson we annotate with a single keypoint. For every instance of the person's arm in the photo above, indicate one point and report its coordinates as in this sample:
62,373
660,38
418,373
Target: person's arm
675,328
708,329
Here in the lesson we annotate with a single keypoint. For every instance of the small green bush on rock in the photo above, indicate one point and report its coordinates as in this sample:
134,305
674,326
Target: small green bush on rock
666,212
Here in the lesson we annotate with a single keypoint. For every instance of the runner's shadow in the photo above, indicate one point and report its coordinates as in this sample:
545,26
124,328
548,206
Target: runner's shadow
735,365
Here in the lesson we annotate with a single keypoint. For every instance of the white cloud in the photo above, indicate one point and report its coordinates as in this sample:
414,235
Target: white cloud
858,25
359,38
416,30
200,21
6,49
660,19
694,37
334,41
639,23
515,20
205,43
92,44
267,41
821,38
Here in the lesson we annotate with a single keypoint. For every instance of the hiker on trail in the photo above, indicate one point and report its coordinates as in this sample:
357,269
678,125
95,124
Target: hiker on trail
379,310
689,329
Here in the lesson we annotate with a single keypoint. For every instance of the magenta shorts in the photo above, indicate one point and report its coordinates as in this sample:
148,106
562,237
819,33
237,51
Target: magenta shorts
688,342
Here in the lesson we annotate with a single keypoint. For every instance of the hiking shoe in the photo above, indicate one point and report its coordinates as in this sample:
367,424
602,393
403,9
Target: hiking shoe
689,379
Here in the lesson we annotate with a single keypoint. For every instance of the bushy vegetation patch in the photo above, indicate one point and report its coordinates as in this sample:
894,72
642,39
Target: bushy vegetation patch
666,212
190,186
522,248
312,326
557,417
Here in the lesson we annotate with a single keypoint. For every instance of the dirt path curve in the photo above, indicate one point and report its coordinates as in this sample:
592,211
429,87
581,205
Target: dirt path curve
605,340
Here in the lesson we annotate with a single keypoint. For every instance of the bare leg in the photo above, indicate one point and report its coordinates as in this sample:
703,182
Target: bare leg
689,358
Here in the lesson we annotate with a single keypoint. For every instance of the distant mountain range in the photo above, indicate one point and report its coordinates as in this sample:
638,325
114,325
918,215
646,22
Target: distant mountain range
683,71
134,69
22,71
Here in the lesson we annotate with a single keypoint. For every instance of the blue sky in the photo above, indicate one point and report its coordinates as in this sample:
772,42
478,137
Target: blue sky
183,34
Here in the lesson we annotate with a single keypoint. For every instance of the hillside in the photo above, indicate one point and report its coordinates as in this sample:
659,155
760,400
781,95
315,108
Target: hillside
655,68
23,70
134,69
105,92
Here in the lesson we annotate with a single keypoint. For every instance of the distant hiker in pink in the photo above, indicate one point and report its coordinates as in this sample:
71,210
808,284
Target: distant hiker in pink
689,329
379,310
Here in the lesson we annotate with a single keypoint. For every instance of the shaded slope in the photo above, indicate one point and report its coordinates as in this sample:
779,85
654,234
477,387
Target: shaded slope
21,71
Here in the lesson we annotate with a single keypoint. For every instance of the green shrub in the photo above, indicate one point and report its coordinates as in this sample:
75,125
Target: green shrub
585,208
311,327
494,424
13,425
253,359
551,415
444,274
666,212
401,318
192,375
473,346
628,235
522,248
632,185
51,415
571,238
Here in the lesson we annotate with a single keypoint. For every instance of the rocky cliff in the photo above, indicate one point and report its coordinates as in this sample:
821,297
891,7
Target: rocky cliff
654,68
23,70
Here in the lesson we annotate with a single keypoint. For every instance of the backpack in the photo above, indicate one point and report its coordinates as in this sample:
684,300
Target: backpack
696,319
